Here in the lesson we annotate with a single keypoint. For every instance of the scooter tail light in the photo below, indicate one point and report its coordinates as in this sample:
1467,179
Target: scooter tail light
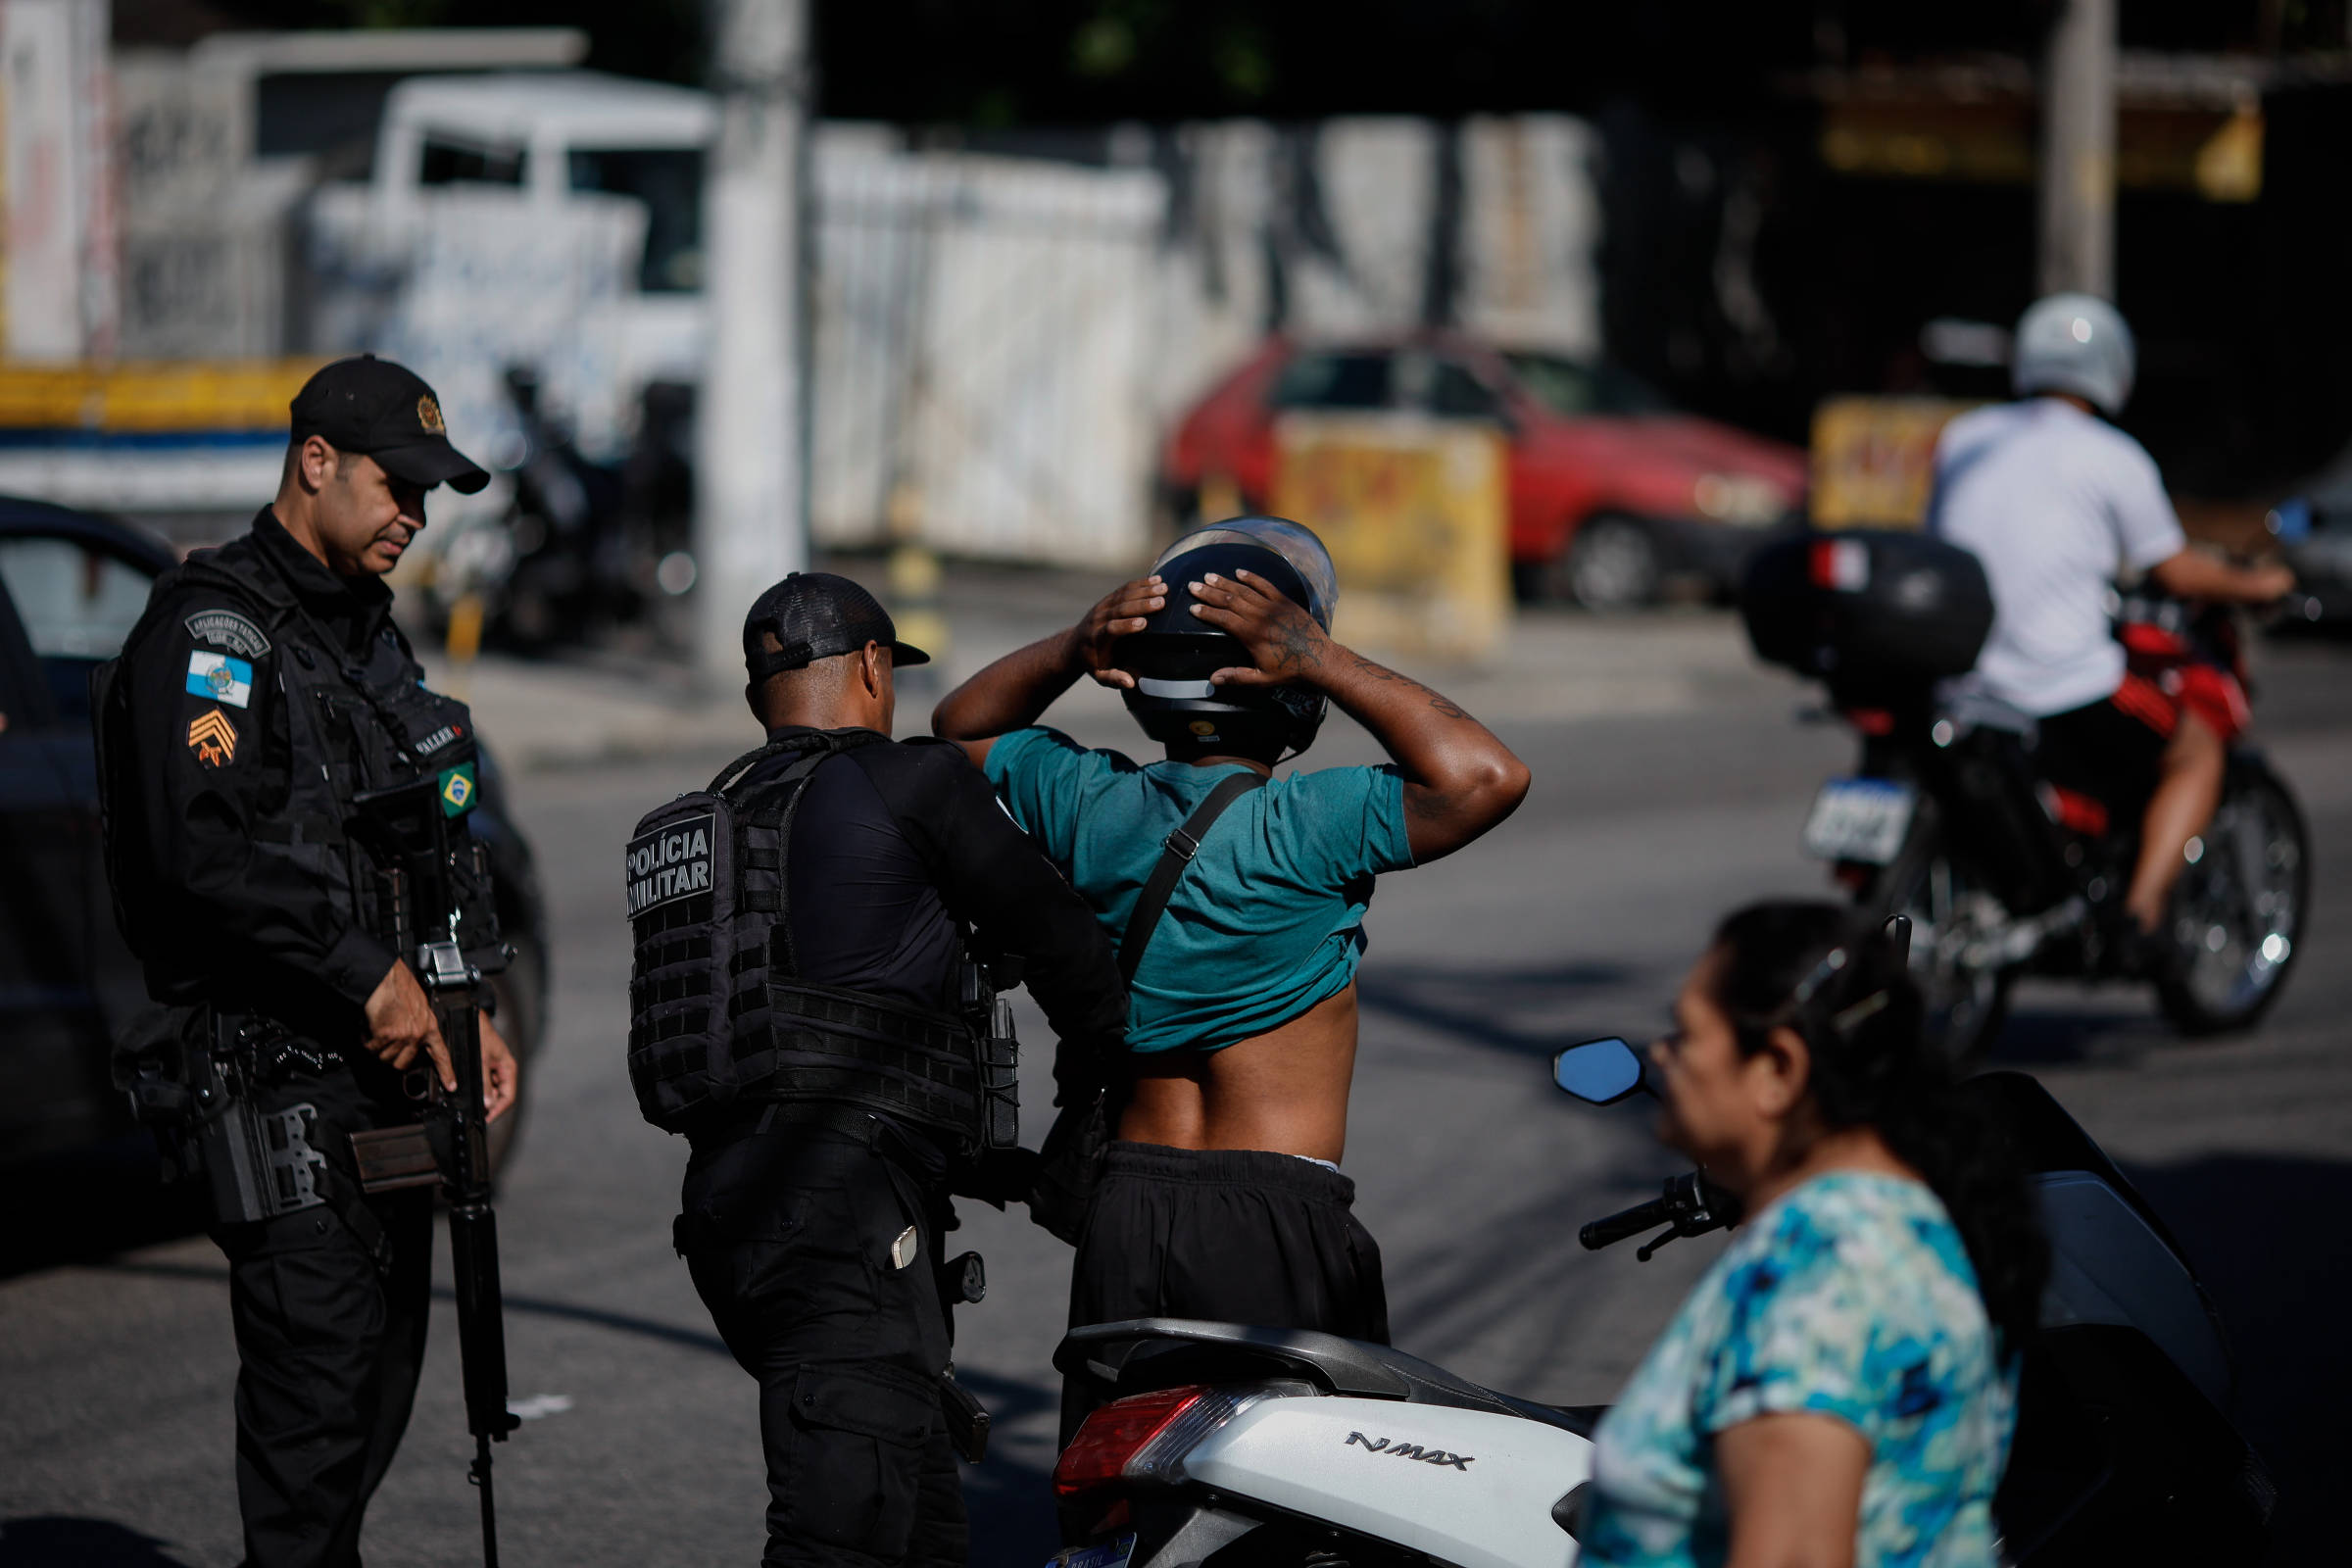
1145,1437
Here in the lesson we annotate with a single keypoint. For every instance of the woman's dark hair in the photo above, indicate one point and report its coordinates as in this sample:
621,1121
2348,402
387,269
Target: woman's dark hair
1839,979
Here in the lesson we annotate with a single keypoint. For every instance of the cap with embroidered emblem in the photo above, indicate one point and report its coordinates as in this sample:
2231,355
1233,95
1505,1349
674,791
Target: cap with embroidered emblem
385,411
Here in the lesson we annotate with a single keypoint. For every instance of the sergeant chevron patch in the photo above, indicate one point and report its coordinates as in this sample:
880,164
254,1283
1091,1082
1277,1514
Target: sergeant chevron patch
213,738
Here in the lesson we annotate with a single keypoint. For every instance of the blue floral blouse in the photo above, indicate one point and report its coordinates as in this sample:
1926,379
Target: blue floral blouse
1850,1296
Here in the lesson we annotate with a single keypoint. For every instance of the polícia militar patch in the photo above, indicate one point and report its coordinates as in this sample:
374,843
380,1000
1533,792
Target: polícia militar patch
456,790
220,678
672,862
226,629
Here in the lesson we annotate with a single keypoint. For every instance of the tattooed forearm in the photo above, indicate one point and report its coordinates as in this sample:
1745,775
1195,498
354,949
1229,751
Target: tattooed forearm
1381,673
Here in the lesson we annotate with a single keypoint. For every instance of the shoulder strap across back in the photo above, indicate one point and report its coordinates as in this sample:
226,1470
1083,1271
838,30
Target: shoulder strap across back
1176,852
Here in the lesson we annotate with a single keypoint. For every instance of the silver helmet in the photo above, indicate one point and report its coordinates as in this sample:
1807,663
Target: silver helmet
2075,343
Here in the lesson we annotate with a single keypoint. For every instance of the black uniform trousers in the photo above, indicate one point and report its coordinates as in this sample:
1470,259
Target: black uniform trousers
1224,1236
328,1350
794,1237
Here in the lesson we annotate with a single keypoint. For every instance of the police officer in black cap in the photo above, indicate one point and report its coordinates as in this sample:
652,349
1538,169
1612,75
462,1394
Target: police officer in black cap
262,698
817,939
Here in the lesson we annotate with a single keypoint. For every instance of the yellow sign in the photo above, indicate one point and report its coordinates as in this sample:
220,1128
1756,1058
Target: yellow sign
1874,459
199,395
1415,513
2215,153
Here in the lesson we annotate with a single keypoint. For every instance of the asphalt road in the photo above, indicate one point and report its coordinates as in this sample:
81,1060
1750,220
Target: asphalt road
1576,918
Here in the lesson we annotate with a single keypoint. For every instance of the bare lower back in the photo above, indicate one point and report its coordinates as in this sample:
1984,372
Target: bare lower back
1285,1091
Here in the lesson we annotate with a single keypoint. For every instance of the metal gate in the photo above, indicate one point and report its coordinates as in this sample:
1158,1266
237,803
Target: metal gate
981,340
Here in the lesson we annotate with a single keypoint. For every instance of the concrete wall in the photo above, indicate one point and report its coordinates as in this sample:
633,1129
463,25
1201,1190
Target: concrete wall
1001,343
56,119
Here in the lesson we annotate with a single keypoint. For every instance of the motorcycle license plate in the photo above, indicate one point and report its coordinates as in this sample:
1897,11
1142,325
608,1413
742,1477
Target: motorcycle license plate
1859,819
1111,1554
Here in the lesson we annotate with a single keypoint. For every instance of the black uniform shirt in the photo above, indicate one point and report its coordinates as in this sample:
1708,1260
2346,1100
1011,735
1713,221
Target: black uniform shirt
892,845
232,922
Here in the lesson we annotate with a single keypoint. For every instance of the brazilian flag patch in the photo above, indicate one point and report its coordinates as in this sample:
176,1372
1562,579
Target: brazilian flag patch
456,790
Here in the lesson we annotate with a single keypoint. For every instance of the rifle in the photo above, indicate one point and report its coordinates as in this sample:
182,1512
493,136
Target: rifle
434,890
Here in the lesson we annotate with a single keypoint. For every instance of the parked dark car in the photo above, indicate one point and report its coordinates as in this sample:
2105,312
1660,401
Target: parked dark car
1612,491
72,585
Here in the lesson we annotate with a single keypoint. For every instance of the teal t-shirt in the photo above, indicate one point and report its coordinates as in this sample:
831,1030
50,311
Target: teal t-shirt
1268,920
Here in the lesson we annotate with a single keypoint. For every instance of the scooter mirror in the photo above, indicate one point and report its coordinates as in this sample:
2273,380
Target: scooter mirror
1600,1072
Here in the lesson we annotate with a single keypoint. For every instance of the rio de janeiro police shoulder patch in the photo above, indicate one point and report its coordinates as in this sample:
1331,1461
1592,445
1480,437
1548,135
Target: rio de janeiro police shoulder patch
673,862
220,678
229,631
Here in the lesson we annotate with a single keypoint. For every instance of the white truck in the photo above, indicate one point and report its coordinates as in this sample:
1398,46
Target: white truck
549,219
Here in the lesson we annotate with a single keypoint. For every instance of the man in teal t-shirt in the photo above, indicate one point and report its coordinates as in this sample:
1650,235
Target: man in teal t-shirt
1221,1198
1268,920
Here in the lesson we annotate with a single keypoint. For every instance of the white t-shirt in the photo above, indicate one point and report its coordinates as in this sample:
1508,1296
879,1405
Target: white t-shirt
2057,504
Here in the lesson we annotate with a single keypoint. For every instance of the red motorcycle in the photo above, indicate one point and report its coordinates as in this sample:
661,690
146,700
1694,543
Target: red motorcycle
1947,818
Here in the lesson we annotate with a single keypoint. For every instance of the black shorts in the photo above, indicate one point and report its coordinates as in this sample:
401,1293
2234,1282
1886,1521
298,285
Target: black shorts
2109,750
1227,1235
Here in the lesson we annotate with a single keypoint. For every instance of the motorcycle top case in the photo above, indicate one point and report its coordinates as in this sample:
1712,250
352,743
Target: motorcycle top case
1867,609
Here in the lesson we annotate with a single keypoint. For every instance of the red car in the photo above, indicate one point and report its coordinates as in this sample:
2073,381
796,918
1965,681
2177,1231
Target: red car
1612,491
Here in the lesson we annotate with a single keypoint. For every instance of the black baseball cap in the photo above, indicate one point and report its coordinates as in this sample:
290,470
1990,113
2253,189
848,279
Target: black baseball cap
386,410
814,616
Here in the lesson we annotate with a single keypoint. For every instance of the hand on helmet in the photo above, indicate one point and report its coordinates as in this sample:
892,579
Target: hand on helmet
1286,644
1120,613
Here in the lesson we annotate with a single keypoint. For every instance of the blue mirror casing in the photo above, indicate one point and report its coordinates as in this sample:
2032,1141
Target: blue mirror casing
1600,1072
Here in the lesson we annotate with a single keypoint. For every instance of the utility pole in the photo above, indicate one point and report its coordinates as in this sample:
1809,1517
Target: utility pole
750,482
2078,151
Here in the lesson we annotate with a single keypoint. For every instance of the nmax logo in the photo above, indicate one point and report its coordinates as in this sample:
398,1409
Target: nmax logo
1407,1450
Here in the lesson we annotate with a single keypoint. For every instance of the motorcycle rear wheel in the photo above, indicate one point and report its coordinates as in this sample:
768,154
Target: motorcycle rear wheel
2237,911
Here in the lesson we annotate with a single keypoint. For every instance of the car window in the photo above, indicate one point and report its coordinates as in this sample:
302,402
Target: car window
451,160
669,181
1574,387
1456,393
76,604
1328,380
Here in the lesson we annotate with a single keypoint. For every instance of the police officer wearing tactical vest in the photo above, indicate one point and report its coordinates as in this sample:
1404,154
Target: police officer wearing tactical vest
263,711
818,939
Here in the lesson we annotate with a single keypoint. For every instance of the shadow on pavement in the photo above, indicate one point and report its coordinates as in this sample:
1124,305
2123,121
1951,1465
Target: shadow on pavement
2269,1238
53,1541
91,1205
2035,1038
1012,1504
1477,1006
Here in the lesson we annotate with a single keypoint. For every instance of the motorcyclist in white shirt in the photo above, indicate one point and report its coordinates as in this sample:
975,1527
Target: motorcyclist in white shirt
2058,505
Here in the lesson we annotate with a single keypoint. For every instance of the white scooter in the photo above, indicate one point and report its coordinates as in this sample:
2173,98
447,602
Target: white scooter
1248,1448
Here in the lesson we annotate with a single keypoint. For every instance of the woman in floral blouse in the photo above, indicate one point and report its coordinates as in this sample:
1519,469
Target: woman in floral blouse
1841,1387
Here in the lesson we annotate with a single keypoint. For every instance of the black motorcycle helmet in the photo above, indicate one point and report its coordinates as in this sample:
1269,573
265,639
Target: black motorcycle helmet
1174,656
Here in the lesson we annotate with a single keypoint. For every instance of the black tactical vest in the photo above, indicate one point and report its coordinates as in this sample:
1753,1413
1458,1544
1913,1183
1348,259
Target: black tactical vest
358,724
719,1020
